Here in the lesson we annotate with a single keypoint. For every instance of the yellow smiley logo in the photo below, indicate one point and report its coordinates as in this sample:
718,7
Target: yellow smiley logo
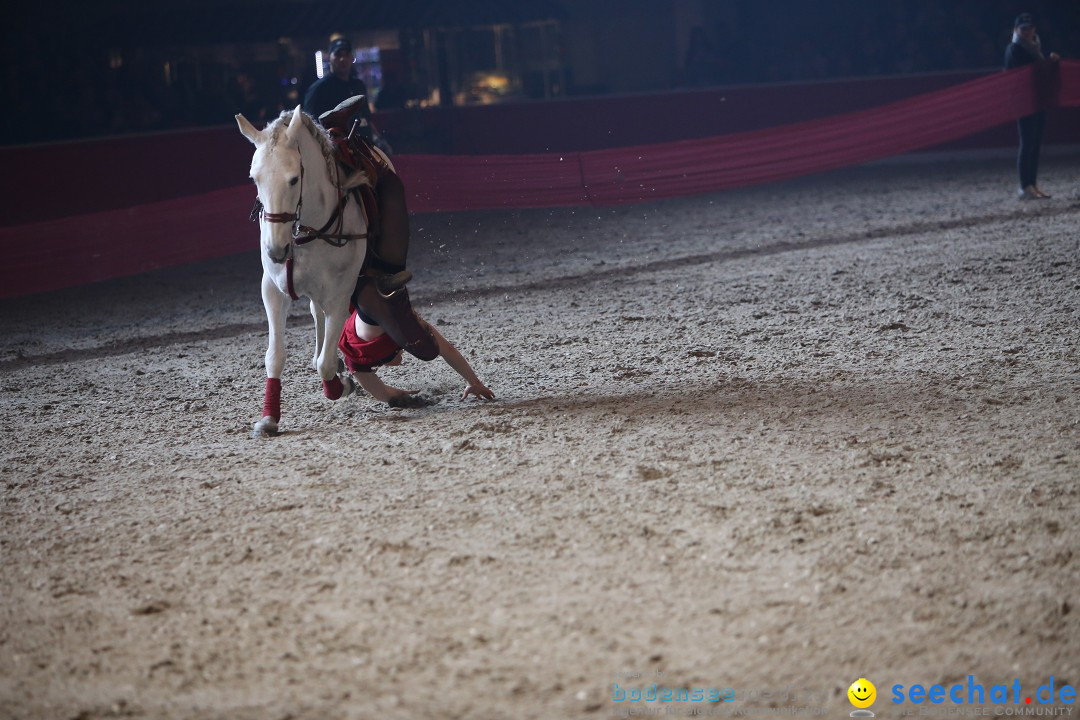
862,693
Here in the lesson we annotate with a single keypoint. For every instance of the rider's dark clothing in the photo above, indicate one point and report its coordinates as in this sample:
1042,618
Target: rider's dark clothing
325,94
395,316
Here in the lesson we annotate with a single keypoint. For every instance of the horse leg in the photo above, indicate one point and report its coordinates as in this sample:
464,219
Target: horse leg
327,362
276,304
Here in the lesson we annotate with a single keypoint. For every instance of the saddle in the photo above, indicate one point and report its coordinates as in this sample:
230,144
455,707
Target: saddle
353,151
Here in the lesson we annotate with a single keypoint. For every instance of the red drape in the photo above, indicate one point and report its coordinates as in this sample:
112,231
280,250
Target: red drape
85,248
647,172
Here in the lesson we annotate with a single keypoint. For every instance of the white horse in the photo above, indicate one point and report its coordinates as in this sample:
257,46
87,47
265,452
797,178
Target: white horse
300,188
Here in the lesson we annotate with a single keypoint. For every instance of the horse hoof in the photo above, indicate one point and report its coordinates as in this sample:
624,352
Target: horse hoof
267,427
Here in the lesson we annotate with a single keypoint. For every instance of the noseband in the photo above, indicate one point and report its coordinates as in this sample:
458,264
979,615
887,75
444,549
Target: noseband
302,233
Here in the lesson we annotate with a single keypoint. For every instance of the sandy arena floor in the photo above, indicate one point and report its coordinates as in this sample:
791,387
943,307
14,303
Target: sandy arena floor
770,439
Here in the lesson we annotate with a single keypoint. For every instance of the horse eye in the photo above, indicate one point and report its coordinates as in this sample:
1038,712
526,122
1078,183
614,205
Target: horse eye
293,181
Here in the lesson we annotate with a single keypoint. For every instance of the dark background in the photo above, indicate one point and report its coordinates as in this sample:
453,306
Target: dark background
116,67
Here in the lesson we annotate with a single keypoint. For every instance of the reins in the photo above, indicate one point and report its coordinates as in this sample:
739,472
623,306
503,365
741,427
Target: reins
303,233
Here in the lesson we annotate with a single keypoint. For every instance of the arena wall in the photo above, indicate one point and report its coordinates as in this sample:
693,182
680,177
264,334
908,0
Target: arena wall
150,201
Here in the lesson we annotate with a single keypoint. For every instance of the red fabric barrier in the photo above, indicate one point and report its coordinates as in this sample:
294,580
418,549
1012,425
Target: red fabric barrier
646,172
1069,85
619,176
45,256
121,172
88,248
580,124
438,183
89,176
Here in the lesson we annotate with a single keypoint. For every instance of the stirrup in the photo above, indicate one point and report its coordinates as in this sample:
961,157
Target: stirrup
389,283
386,283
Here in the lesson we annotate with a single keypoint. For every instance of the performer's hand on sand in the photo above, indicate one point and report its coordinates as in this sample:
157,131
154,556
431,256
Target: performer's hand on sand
478,389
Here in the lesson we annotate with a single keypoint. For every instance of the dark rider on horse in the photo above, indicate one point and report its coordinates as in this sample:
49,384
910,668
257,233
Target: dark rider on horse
381,298
388,239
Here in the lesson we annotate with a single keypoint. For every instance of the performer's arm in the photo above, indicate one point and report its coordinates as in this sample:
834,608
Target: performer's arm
380,390
461,366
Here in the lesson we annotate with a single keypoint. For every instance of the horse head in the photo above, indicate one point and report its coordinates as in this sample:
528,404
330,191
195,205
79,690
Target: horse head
277,169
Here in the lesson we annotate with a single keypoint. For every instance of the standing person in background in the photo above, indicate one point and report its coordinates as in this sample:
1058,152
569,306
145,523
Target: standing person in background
1025,49
339,85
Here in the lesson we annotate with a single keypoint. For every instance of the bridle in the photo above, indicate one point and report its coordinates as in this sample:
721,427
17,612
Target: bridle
304,234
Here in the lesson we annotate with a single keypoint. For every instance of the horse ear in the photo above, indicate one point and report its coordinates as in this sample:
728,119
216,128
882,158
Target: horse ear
249,130
294,124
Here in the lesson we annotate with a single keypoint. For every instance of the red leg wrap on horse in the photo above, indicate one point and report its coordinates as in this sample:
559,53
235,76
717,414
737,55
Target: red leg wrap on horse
333,388
272,403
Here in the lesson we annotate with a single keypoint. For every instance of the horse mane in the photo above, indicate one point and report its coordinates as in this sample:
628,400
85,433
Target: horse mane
276,128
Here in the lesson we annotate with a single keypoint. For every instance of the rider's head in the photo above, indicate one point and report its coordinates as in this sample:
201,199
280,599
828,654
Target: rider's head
1025,26
341,57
